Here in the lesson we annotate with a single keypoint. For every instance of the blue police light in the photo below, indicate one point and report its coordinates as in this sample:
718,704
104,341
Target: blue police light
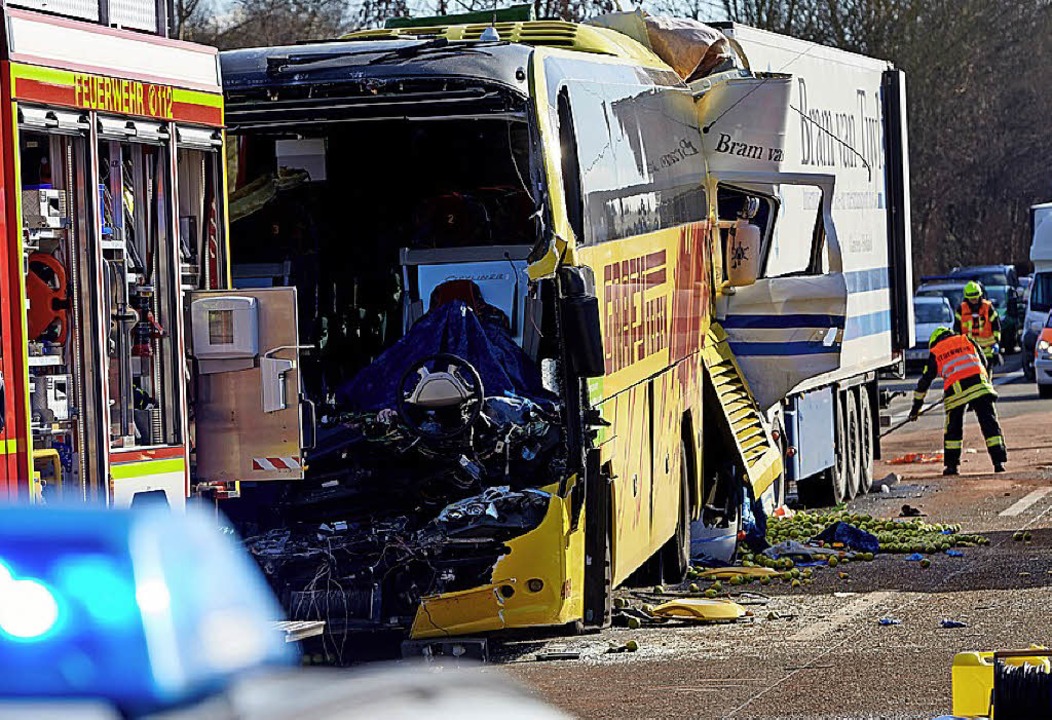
145,609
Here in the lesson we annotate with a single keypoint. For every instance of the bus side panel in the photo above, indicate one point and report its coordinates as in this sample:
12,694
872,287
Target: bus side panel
666,419
630,462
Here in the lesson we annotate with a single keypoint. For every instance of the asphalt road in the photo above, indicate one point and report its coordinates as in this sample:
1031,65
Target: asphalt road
823,653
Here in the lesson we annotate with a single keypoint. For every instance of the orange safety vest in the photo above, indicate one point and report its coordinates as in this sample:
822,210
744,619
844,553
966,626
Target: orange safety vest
978,326
957,360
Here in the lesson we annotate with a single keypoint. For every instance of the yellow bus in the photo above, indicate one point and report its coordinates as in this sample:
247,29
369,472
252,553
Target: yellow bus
501,242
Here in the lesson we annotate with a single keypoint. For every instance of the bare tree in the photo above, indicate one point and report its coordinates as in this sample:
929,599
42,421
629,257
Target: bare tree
979,148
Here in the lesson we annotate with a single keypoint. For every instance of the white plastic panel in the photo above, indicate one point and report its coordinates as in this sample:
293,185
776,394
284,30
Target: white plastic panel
198,138
72,45
83,9
137,14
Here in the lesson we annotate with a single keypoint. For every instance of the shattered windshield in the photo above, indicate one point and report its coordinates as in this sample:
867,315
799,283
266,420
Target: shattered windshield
348,213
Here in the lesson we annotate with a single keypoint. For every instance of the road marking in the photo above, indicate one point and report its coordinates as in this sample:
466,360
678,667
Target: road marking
854,610
1023,504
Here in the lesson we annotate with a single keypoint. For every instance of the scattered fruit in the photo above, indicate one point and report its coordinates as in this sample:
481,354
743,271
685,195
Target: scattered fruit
634,623
895,536
833,561
620,603
710,593
659,590
631,646
795,584
925,563
694,588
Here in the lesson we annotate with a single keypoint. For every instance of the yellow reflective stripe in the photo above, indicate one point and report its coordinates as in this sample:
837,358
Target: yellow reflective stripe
66,78
148,467
960,398
995,441
919,396
954,444
9,446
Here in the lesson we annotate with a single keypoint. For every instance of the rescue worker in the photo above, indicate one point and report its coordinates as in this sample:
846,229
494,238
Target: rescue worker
978,320
966,384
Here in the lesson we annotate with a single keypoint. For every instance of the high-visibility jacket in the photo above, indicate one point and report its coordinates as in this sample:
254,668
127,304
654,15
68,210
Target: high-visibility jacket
982,325
960,362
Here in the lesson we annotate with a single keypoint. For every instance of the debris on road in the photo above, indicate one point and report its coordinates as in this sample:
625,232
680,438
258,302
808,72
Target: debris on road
700,610
885,621
558,655
916,458
886,483
952,624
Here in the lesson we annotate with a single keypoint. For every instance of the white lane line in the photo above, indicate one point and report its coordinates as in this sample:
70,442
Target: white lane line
854,610
1009,378
1021,505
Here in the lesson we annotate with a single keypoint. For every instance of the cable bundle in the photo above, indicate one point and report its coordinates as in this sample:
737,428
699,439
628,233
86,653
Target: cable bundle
1022,692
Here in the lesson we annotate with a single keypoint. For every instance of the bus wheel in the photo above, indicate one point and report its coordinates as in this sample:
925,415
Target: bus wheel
852,444
865,460
675,556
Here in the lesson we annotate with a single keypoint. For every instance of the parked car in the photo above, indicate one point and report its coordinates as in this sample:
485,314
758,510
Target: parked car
1005,290
952,290
1043,360
929,312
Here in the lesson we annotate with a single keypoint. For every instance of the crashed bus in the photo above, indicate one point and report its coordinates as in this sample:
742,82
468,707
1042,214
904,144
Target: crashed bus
510,245
501,249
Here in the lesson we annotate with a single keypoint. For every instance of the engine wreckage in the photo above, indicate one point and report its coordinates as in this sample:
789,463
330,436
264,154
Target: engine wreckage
417,487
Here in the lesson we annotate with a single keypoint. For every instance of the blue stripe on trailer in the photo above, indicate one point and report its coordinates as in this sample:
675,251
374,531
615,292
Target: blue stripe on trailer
860,281
773,349
777,322
865,325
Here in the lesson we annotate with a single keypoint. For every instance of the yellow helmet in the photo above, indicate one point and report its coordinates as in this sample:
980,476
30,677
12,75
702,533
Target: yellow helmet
973,290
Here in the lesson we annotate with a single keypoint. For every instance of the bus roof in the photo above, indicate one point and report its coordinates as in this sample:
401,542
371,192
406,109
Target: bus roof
351,60
547,33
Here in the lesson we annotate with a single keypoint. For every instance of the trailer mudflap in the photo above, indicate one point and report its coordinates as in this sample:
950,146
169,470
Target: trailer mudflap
735,410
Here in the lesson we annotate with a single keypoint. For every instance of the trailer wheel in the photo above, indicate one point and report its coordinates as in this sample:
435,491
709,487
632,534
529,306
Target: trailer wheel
778,432
852,440
676,553
865,416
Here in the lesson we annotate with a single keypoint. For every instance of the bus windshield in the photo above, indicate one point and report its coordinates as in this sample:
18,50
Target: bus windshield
362,195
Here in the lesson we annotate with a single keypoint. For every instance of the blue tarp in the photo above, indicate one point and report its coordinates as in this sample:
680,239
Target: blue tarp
451,328
852,537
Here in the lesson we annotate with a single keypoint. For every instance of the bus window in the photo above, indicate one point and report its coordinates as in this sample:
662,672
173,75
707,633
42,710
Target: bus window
639,167
571,168
140,292
731,203
796,243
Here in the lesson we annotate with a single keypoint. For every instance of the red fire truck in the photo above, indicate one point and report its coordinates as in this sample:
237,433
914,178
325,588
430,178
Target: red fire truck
112,238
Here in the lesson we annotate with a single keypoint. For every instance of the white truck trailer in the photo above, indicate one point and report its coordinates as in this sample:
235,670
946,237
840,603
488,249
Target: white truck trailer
832,308
1040,302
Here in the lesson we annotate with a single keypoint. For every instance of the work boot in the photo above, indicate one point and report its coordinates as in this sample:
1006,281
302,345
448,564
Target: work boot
950,470
999,467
